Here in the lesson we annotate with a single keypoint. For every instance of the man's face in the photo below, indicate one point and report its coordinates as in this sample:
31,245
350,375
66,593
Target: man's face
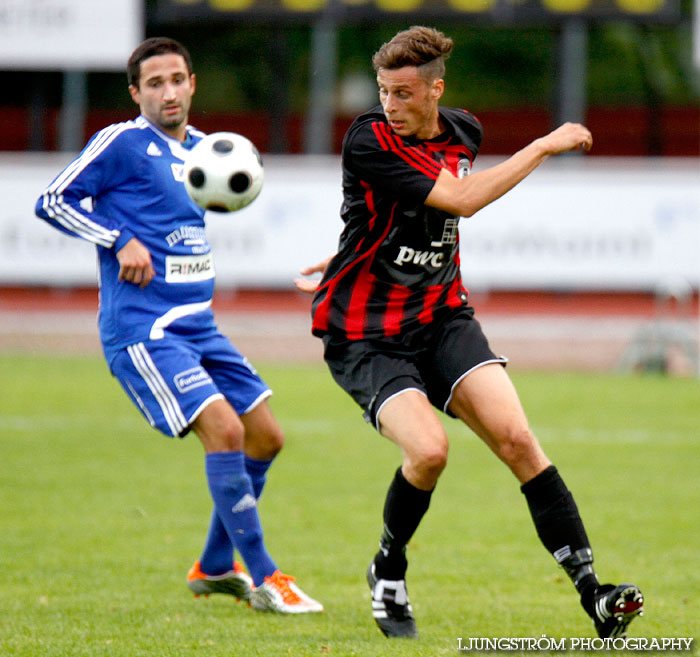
164,93
410,103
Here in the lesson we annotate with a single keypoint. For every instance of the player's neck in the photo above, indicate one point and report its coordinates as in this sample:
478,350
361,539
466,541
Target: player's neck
432,128
179,133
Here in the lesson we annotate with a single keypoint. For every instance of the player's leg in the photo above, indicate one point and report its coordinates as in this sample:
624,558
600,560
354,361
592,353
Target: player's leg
470,382
408,420
255,439
263,441
165,380
216,571
223,363
221,432
486,401
385,382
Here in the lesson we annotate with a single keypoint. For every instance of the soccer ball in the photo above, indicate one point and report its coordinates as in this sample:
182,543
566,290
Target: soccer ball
223,172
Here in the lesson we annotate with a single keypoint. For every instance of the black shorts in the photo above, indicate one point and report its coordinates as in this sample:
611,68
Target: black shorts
432,359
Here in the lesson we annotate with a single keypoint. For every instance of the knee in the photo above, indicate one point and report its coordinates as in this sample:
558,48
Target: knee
224,433
264,442
516,446
270,443
264,437
429,460
230,432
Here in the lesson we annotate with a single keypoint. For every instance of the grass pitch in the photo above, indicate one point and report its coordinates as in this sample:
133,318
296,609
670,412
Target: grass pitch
101,517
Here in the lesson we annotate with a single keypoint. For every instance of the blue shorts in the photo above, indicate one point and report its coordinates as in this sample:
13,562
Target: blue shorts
171,381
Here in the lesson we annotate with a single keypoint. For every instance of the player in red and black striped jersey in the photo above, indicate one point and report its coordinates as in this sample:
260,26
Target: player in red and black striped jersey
400,337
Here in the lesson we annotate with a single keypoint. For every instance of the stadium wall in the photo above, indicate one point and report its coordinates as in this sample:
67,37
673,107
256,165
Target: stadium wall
577,224
666,131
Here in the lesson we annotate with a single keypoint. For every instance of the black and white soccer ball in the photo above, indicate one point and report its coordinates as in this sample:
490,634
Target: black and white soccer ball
223,172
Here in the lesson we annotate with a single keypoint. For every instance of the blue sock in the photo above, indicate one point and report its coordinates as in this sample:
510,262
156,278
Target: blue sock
234,501
217,556
257,470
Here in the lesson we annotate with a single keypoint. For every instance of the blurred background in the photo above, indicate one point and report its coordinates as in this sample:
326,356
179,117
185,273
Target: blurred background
592,263
292,74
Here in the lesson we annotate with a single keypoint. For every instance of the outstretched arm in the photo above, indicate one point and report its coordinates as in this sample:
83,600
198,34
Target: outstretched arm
466,196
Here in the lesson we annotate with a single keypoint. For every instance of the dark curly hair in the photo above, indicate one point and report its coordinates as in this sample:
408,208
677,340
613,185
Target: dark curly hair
150,48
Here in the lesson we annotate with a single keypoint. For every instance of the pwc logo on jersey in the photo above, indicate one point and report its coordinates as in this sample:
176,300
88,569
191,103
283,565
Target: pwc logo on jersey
189,269
192,378
406,255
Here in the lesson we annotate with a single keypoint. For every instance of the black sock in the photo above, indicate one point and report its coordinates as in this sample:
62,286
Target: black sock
561,529
404,508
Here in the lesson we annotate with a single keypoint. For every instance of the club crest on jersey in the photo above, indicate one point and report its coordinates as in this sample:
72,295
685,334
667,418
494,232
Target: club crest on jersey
464,168
178,170
192,378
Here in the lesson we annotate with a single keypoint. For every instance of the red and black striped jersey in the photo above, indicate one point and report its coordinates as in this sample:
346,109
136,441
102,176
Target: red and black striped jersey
397,265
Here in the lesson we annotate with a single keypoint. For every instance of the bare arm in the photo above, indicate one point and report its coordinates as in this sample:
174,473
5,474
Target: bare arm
135,263
466,196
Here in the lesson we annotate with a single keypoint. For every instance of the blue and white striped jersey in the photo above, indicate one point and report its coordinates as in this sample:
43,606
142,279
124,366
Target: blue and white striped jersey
127,182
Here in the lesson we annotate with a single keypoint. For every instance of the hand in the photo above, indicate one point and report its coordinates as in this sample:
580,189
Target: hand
310,286
135,264
567,137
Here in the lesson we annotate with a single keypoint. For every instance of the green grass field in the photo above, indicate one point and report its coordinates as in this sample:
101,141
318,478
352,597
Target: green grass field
101,517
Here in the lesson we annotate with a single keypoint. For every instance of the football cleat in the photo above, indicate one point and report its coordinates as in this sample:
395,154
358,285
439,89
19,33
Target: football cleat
615,607
279,593
235,582
390,606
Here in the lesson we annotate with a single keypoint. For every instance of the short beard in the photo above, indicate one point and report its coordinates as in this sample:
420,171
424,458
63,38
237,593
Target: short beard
174,122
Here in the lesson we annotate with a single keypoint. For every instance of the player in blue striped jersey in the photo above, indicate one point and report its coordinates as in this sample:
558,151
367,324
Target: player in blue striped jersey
125,194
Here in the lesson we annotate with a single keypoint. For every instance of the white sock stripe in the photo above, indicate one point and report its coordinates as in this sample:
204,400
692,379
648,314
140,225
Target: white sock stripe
150,374
562,553
600,610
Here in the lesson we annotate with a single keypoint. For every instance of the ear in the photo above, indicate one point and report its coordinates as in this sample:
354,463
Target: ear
135,94
437,89
193,83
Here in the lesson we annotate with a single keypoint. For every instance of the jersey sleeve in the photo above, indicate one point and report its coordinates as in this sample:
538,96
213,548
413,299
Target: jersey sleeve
68,203
380,157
